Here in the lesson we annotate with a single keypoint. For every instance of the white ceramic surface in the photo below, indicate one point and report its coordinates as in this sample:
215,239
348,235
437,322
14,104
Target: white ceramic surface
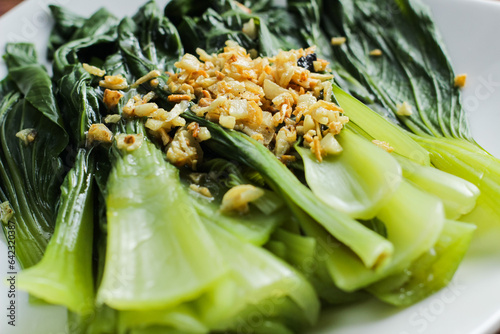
470,305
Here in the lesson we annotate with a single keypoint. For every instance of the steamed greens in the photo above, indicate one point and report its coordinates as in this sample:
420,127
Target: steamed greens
71,243
415,69
144,243
31,171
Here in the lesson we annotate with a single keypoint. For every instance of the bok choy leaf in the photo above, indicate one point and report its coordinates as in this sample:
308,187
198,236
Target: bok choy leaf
149,41
69,26
31,169
413,68
64,275
256,276
254,227
458,195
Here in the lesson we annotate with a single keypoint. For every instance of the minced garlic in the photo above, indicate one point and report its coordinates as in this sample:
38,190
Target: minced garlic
145,109
111,119
27,136
93,70
99,133
271,99
384,145
115,82
227,121
111,98
129,143
375,53
151,75
184,150
338,40
237,198
404,109
204,191
6,212
250,29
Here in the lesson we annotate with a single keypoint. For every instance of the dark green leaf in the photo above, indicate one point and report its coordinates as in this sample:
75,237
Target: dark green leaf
149,41
82,51
79,103
413,68
32,80
65,25
101,22
31,169
30,175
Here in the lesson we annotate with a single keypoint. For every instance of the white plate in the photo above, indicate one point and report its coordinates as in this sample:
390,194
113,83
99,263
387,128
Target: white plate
470,305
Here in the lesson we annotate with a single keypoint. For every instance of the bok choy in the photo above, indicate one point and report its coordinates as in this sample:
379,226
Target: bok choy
217,171
415,69
32,140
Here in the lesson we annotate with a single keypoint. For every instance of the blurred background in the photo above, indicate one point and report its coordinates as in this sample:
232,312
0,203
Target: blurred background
6,5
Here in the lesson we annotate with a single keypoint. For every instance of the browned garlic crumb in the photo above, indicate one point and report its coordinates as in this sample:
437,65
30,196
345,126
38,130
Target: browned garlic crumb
115,82
254,95
460,80
184,150
111,98
99,133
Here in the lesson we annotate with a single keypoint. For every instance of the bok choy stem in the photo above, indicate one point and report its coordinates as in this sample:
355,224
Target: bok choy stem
149,215
64,275
431,271
371,248
358,181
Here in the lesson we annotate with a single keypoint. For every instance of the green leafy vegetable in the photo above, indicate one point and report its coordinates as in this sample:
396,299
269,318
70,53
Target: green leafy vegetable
70,284
376,127
431,271
31,170
79,102
149,41
164,258
372,251
458,196
256,276
413,68
254,227
414,221
149,214
358,181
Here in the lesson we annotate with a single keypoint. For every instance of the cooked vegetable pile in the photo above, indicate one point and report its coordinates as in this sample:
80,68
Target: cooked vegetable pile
235,167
